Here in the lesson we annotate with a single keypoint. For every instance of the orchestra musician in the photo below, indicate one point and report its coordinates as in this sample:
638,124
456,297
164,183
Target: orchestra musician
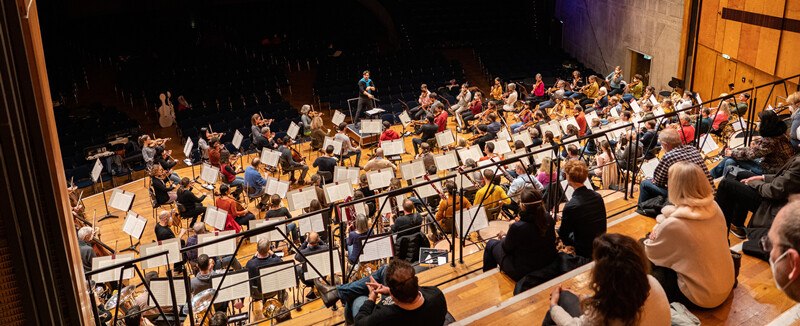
318,133
444,214
525,117
347,146
85,238
615,81
428,131
75,202
379,162
425,101
264,257
365,97
276,209
257,123
326,163
149,148
496,93
537,90
576,84
510,98
256,182
463,97
475,108
192,205
264,139
289,163
164,232
235,209
388,133
163,194
312,245
164,160
229,172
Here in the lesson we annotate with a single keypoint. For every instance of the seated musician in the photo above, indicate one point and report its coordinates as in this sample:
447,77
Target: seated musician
426,156
559,90
316,181
228,203
444,214
536,137
326,163
264,139
256,183
413,305
202,281
510,99
200,228
464,97
525,117
229,170
475,108
428,131
490,195
483,117
379,162
163,194
425,101
409,222
440,116
526,179
488,150
312,245
496,92
163,230
356,237
164,159
214,148
264,257
193,205
318,133
348,148
483,135
149,149
530,243
289,164
276,209
388,133
85,238
218,319
584,215
257,125
580,118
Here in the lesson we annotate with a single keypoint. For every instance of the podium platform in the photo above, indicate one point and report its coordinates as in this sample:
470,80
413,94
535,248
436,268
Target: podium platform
364,140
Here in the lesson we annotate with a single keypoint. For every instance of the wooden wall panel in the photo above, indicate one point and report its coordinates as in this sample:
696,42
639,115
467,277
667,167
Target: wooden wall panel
704,71
724,73
749,36
732,35
788,64
720,35
708,29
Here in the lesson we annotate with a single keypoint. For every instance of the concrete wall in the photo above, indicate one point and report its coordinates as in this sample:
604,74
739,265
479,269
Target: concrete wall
651,27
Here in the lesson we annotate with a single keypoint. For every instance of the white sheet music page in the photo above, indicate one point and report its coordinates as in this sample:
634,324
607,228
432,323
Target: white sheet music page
346,174
237,139
216,217
378,179
277,277
272,235
635,106
121,200
301,198
524,136
337,191
426,190
404,118
312,223
371,126
223,248
708,143
172,246
241,289
337,118
187,147
277,187
590,116
376,248
473,152
160,288
480,219
97,170
134,224
270,157
209,173
552,126
541,151
653,99
112,275
504,134
649,167
519,153
293,130
446,161
444,138
413,169
322,263
568,190
500,146
337,145
393,147
568,121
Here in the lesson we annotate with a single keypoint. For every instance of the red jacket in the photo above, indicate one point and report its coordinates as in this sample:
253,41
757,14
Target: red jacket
441,121
388,134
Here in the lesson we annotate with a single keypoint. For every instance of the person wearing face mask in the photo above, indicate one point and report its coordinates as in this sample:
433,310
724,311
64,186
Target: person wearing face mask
793,101
782,243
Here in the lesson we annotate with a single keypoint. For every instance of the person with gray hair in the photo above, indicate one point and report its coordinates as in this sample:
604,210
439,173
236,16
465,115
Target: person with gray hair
305,119
675,152
355,238
511,98
200,228
686,128
264,257
85,236
783,245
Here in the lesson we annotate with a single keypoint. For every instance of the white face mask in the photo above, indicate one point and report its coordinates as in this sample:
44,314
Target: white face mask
772,267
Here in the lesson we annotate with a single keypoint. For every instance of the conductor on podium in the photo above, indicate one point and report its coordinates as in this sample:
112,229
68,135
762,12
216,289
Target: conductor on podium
365,97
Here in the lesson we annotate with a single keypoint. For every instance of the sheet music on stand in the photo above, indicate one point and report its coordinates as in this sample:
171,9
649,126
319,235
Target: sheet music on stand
635,106
187,147
134,225
473,152
524,136
270,157
277,277
649,167
209,173
361,209
160,289
659,111
224,248
552,126
97,170
413,169
381,178
371,126
277,187
521,153
591,116
216,217
462,181
568,190
444,138
504,134
337,145
426,190
653,99
699,100
500,146
375,111
237,139
272,235
121,200
111,275
377,247
321,261
293,130
337,118
393,147
346,174
614,113
540,153
337,191
570,121
173,246
446,161
229,291
481,220
311,223
708,144
404,118
301,198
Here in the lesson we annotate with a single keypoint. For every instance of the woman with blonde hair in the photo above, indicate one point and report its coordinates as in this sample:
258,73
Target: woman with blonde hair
546,174
317,133
606,168
689,245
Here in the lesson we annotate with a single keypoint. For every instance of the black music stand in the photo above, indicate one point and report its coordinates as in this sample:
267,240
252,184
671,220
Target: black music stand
97,175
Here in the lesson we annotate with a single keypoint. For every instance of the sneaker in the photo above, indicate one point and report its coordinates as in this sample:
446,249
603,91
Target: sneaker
738,231
311,295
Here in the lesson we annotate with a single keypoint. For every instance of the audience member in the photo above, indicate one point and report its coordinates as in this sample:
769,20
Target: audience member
765,155
584,215
781,243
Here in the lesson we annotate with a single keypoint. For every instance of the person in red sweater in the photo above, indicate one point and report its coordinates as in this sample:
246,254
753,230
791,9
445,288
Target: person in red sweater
686,129
580,118
388,133
475,107
441,117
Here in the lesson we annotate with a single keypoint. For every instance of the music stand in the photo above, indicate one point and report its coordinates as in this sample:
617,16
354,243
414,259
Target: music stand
187,151
97,170
134,227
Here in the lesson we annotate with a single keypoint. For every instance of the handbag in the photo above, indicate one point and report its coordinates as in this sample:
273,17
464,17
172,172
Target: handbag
652,207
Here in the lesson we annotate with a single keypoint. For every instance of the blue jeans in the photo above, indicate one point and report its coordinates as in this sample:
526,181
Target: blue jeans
649,190
728,163
515,126
354,294
238,182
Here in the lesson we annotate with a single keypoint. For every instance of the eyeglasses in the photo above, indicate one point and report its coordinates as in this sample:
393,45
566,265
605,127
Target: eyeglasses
767,245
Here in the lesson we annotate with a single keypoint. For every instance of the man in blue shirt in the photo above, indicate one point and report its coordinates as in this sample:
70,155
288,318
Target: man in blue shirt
255,183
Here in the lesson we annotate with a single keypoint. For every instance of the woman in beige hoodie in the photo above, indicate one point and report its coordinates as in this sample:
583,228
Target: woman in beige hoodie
689,245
